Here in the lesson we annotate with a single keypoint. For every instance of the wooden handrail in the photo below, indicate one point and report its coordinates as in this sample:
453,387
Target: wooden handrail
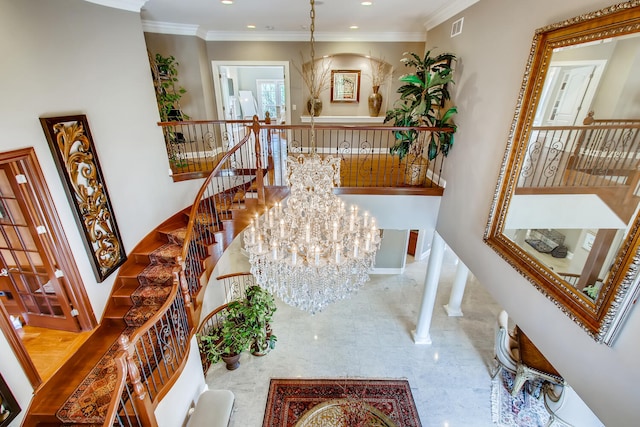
203,189
228,276
120,362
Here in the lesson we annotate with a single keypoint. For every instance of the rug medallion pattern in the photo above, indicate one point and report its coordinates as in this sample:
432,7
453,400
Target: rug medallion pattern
290,399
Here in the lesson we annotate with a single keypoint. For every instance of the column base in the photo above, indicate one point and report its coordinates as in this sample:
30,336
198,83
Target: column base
453,312
421,340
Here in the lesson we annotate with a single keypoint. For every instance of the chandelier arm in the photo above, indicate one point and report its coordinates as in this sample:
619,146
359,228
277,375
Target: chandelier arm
312,42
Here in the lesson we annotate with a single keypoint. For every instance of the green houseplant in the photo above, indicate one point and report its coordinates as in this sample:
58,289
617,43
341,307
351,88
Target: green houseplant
168,92
229,339
259,310
422,103
245,327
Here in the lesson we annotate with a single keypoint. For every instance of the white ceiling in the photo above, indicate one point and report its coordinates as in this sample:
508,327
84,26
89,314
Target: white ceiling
288,20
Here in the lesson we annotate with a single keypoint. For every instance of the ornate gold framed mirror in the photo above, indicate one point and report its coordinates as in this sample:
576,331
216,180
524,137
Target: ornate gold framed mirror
565,211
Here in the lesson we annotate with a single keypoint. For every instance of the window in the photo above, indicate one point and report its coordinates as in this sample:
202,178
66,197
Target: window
271,97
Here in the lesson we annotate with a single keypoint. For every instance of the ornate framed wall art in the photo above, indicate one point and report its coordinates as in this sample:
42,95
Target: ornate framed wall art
72,147
345,85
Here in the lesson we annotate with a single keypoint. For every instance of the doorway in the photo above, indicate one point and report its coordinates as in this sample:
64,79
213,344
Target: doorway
245,88
40,286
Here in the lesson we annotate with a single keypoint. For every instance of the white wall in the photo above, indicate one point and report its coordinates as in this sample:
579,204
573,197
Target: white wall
173,408
73,57
493,49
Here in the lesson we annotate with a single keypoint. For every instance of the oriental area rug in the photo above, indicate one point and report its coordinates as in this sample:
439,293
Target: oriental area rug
289,400
524,410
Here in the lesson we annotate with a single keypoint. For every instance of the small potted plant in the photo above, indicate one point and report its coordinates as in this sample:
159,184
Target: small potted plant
230,338
423,103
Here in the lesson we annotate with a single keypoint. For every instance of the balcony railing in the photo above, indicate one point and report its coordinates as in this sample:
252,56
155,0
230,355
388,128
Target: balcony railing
364,151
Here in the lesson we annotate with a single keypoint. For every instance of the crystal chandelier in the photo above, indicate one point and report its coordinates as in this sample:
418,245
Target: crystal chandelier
312,250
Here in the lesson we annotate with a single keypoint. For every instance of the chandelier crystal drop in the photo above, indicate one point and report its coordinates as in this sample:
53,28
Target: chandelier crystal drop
313,250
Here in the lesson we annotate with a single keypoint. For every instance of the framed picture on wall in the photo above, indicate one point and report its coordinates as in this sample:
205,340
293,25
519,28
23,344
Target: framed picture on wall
345,85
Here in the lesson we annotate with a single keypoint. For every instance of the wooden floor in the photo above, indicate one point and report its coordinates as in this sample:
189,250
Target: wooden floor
356,171
49,348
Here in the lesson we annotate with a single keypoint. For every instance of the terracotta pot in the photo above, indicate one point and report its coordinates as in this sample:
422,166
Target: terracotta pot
233,362
375,102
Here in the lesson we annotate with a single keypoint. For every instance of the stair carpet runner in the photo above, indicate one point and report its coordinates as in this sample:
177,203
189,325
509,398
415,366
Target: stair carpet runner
89,402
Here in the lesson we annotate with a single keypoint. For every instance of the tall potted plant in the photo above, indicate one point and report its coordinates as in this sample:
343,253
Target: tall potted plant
260,307
168,92
423,102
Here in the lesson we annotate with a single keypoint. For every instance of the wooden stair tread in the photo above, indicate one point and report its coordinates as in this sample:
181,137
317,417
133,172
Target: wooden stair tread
51,395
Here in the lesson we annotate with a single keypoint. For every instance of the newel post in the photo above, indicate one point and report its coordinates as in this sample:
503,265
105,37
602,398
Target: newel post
259,171
141,401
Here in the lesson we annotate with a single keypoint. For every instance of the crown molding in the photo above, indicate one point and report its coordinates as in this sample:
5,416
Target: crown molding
130,5
291,36
170,28
448,11
296,36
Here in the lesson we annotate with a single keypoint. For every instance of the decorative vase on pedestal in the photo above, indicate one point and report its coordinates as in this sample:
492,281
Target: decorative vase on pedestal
375,102
314,106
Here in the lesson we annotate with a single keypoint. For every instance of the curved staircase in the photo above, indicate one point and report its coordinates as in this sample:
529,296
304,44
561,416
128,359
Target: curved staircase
143,284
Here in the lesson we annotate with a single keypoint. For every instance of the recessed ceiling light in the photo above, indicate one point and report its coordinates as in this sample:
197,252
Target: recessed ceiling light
353,27
366,3
226,1
251,26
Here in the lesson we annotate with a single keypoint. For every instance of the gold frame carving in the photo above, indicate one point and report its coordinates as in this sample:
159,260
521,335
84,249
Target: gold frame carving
72,147
601,319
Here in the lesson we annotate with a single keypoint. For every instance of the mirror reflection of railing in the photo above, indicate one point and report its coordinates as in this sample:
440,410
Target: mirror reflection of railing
595,155
580,180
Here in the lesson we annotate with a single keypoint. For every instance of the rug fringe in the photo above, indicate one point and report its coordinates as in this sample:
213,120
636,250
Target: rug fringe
494,399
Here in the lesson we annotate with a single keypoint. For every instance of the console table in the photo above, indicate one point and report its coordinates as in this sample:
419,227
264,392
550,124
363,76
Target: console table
532,364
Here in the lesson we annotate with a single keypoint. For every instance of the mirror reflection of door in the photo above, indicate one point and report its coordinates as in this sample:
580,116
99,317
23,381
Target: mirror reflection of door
568,92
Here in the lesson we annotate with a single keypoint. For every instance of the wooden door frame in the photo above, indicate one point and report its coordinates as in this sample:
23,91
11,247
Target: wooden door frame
74,286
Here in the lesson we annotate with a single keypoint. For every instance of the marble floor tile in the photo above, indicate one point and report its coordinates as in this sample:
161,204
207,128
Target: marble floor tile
369,335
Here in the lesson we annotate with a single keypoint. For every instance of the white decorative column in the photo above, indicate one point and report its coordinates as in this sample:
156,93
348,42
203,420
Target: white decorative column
457,291
421,334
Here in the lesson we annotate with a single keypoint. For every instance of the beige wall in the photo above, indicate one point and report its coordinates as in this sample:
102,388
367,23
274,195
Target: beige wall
493,50
73,57
194,70
348,55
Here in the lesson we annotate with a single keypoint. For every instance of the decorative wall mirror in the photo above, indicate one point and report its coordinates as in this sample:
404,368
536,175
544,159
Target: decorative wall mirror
565,211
